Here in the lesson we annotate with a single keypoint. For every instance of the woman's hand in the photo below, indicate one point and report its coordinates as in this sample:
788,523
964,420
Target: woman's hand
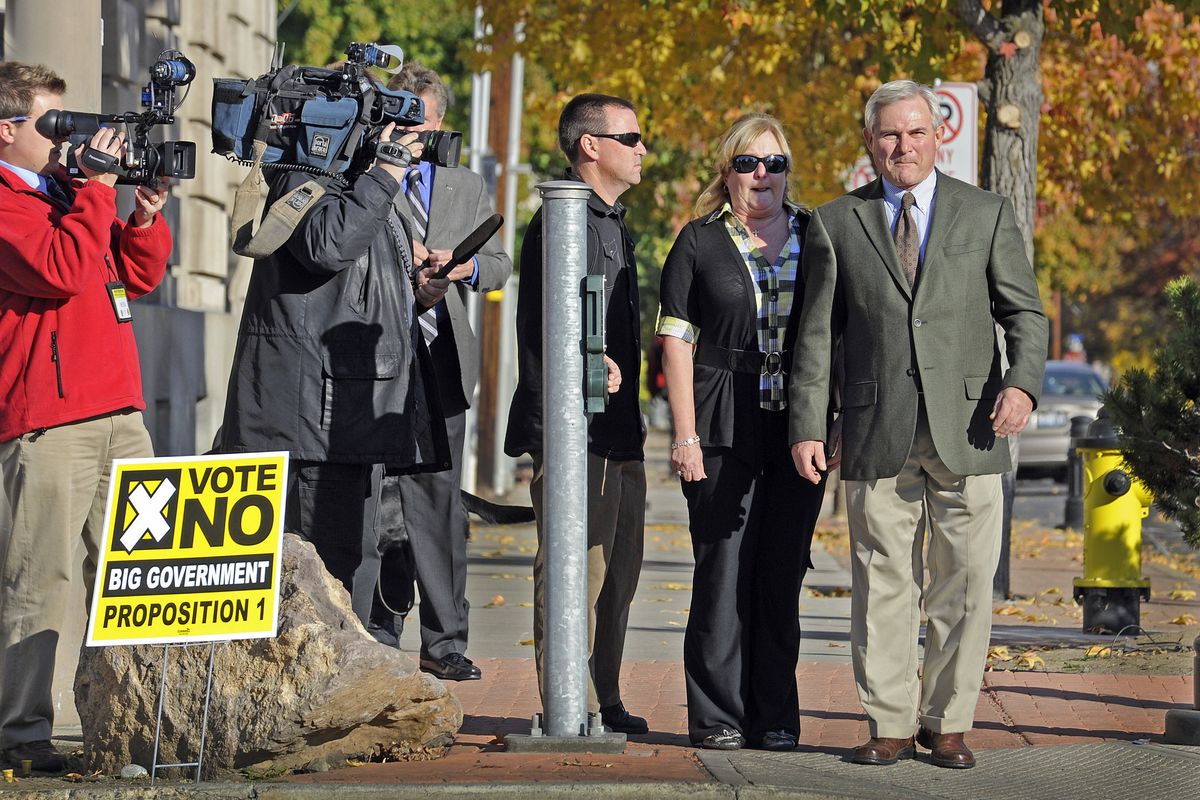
688,461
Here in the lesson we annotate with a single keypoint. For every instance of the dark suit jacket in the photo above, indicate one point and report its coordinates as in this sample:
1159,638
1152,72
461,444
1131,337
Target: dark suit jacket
705,282
940,338
458,203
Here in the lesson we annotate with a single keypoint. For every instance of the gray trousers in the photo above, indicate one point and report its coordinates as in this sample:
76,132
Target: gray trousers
437,533
53,492
616,522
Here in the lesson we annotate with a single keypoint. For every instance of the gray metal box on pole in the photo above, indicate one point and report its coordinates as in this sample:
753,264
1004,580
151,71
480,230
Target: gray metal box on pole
566,725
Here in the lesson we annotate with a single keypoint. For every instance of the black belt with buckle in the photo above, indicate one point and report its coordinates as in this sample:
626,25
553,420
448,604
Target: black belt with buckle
754,362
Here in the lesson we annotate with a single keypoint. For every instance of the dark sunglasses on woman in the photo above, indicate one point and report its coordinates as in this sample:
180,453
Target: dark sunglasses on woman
745,164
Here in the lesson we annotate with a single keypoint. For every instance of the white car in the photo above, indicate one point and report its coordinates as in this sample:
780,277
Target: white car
1070,389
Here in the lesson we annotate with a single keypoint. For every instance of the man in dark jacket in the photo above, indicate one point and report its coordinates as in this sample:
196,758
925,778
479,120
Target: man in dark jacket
70,385
327,363
600,136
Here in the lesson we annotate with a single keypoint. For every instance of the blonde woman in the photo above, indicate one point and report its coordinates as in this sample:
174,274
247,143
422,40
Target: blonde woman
730,299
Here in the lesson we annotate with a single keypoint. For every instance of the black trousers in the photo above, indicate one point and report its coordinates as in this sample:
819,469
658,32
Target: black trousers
751,532
336,507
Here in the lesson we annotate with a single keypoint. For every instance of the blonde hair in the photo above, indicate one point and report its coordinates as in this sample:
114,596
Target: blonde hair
735,141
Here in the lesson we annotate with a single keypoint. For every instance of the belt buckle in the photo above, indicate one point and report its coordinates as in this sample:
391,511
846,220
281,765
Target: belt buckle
773,363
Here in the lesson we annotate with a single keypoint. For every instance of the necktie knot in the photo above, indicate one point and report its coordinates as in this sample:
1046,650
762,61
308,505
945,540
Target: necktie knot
413,177
908,201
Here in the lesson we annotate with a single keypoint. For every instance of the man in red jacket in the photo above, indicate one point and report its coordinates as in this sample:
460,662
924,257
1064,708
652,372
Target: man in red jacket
70,385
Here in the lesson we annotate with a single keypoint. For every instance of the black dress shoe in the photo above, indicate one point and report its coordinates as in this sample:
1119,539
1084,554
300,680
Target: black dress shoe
778,740
724,739
454,667
617,719
43,755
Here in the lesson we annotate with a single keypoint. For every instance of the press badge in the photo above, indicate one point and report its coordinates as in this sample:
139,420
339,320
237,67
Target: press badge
120,300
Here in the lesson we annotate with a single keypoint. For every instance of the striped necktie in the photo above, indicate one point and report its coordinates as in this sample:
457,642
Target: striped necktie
420,217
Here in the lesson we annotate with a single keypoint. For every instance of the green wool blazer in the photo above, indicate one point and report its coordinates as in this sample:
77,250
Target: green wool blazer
940,339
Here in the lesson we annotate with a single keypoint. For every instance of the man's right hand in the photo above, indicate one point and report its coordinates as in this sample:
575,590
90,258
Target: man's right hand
809,458
409,140
420,253
106,140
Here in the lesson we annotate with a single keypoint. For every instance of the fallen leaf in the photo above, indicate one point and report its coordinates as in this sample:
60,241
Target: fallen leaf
1183,594
1030,660
677,587
525,605
1009,611
526,643
999,653
1098,651
1052,590
1184,619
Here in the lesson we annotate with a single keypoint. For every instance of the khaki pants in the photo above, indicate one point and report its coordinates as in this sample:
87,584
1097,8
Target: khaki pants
888,519
53,490
616,521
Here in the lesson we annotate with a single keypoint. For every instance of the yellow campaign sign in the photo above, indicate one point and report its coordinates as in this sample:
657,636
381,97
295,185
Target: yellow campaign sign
191,551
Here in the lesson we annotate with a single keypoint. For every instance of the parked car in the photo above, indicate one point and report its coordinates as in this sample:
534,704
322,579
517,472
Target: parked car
1070,389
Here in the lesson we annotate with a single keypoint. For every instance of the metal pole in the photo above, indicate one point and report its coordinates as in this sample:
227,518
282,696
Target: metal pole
502,465
564,260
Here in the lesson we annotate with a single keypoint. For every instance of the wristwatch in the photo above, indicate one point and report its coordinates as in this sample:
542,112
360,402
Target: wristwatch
393,153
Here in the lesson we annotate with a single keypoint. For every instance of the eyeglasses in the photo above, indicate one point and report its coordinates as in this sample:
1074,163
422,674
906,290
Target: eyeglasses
15,119
746,164
628,139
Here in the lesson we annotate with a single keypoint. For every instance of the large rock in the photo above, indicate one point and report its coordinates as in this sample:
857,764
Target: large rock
321,692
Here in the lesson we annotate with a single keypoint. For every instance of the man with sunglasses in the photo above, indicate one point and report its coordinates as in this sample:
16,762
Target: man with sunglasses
599,135
909,272
70,384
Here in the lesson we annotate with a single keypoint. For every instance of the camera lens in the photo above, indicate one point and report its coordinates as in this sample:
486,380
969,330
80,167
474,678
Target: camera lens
172,71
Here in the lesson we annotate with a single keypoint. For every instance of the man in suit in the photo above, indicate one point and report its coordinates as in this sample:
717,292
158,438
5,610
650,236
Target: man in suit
909,272
444,205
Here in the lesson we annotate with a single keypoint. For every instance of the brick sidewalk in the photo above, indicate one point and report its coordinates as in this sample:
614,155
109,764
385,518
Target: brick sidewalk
1015,710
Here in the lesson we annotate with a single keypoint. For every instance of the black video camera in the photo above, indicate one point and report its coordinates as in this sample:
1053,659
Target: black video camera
321,120
144,162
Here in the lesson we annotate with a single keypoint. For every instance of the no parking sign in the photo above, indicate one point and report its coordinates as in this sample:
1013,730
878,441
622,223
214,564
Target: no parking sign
959,154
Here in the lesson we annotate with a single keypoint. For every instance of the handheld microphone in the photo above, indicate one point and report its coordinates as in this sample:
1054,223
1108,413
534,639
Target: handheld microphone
471,245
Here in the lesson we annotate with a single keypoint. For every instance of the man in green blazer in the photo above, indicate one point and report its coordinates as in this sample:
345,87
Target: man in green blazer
911,274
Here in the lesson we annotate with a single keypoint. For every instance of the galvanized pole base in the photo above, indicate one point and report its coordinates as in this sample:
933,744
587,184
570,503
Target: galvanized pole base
596,739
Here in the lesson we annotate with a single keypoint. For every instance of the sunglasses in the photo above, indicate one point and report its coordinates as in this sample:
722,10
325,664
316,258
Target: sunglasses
627,139
15,119
746,164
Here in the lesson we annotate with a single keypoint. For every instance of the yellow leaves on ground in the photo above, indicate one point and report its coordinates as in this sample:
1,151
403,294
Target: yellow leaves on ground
999,653
525,643
1183,619
1009,611
835,591
1098,651
1183,594
1027,660
676,587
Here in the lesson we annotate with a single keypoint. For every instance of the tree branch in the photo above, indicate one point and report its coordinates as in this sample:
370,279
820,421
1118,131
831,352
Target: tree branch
986,28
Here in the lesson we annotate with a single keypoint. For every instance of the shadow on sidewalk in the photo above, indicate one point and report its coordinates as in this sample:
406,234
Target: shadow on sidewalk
1060,694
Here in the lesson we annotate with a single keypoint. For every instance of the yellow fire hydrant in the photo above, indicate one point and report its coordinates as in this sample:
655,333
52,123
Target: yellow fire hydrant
1114,505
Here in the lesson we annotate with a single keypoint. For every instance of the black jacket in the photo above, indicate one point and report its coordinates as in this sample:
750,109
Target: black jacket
615,433
705,281
328,364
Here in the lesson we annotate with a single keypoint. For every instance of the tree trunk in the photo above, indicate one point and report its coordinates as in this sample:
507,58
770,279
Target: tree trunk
1014,107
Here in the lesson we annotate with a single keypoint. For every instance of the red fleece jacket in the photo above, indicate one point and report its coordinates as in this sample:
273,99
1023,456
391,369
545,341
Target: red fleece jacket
63,355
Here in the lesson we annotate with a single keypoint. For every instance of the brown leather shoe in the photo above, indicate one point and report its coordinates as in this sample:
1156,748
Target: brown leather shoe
946,749
881,751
